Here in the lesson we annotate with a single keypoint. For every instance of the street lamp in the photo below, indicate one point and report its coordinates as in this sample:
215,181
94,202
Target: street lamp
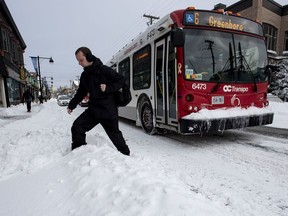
37,68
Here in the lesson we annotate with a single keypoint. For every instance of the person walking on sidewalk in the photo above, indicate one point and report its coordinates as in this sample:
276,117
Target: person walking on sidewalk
100,82
28,98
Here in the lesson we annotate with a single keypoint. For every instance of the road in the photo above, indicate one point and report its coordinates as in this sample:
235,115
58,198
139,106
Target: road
269,131
243,170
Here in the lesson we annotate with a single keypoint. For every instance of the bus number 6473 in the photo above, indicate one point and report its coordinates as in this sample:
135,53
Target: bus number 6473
199,86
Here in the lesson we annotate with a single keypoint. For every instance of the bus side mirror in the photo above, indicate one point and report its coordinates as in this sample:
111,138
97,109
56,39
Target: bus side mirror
177,37
269,74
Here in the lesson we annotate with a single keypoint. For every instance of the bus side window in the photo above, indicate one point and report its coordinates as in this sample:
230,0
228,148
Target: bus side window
142,68
124,69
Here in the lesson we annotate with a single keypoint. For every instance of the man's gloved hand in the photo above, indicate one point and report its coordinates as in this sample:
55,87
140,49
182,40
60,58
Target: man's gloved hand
69,111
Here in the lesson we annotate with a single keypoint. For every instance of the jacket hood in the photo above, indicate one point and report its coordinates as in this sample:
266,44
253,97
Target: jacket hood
97,63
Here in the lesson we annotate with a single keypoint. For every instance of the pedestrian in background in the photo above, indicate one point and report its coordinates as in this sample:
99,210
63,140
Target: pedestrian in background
28,98
41,99
101,82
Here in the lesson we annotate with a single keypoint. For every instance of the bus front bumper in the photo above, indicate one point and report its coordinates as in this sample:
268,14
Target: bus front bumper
190,126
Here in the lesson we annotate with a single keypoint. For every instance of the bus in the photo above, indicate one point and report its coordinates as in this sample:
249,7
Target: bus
195,72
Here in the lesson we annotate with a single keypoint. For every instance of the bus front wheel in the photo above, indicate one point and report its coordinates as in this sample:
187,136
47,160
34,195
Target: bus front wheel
146,115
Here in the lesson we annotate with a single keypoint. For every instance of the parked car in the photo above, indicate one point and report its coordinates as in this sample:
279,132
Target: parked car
63,100
60,96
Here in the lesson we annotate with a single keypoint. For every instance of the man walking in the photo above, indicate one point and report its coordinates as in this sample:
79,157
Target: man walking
28,98
100,82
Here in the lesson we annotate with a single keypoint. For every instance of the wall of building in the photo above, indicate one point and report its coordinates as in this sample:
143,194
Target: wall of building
284,28
265,11
12,47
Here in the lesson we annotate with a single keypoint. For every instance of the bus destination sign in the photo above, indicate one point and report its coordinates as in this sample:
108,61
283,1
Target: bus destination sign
222,21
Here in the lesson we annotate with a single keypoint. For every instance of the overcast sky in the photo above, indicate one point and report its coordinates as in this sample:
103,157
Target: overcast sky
57,28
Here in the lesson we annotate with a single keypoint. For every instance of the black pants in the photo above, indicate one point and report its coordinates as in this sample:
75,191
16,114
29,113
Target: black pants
85,122
28,103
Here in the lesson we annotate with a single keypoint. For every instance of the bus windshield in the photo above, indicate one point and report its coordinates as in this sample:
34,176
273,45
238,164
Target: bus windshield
224,57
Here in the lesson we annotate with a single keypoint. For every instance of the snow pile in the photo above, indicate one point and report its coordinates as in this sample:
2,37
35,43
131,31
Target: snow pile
280,111
206,114
94,180
40,176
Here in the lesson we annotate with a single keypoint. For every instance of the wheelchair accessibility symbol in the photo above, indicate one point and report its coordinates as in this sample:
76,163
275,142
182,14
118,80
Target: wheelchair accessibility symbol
190,18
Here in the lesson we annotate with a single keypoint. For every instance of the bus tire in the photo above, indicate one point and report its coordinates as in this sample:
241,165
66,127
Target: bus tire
146,118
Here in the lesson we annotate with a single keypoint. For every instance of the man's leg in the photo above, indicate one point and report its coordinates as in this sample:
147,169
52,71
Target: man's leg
28,106
81,125
112,129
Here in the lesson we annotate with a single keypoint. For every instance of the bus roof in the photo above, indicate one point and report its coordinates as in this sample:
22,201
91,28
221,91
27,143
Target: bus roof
186,18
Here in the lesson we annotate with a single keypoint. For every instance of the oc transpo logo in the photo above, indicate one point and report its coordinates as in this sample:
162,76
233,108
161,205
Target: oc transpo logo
230,88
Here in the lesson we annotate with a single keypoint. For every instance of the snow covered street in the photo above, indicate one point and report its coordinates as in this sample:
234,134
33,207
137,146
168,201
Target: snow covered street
235,173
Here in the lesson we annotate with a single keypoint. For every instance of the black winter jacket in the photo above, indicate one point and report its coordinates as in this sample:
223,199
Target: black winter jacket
101,104
27,96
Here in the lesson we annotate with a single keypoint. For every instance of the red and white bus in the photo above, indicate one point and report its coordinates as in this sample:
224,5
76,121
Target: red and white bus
197,71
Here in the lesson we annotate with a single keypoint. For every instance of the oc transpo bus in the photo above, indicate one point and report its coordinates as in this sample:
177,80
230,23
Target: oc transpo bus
196,71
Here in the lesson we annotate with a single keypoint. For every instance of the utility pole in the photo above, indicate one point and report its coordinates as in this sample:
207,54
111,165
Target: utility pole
36,63
151,19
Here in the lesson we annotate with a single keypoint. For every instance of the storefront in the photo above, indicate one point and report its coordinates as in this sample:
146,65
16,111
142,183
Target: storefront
2,93
3,74
12,87
15,90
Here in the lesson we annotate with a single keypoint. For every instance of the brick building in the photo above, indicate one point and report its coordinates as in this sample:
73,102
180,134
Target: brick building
273,17
12,71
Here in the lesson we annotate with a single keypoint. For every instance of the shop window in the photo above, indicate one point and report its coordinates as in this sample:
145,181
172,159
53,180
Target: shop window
286,41
270,33
6,40
13,91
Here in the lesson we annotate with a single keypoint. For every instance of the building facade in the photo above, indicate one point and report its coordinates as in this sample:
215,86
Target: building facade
274,19
13,76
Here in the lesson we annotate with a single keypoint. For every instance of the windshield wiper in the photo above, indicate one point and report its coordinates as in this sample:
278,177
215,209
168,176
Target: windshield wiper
244,65
210,46
228,67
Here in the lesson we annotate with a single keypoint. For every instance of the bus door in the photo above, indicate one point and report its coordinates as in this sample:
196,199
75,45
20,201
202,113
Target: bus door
165,83
160,81
171,80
